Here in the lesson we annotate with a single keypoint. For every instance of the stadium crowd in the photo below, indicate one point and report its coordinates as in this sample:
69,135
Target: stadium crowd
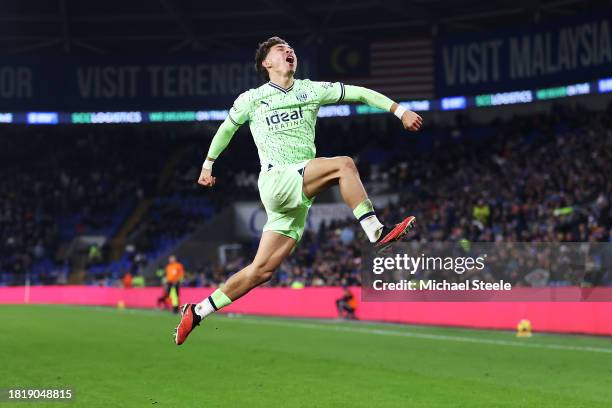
59,183
537,178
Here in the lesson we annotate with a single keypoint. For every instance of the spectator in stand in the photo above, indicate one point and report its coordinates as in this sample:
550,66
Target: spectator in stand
482,212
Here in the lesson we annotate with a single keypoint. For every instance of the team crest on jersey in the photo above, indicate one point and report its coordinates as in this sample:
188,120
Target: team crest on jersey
302,96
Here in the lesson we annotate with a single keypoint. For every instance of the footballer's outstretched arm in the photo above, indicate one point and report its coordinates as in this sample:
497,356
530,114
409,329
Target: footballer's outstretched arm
236,117
222,138
219,142
410,120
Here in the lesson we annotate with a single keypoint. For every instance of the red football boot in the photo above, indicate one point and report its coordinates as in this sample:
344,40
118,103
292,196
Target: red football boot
189,321
391,235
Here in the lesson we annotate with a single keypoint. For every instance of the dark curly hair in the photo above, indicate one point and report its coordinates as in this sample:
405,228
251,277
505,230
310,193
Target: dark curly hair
262,52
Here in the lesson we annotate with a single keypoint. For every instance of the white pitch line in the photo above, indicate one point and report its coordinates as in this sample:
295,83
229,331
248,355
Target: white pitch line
382,332
441,337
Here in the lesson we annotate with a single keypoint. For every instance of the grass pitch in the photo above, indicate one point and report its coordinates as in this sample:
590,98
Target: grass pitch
114,358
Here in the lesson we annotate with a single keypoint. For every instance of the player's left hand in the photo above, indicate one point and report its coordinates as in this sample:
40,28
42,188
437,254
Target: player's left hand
412,121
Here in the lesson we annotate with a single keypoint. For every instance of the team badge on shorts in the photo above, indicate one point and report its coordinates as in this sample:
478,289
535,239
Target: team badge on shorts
302,96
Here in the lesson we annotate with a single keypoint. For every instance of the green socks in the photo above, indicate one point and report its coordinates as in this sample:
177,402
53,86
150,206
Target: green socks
220,299
363,209
211,304
364,212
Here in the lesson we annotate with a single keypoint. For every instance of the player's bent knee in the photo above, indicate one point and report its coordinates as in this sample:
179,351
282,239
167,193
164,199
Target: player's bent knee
261,273
263,276
266,276
347,164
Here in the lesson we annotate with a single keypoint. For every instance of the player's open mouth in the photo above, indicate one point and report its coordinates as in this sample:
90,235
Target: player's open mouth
290,60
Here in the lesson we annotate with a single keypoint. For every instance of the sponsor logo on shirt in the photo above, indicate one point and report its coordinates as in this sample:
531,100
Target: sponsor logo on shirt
302,96
282,118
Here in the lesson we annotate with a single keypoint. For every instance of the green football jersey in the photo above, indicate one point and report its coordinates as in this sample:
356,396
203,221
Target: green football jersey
282,121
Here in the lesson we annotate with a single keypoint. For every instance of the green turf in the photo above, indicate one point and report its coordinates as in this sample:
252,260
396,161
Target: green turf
114,358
